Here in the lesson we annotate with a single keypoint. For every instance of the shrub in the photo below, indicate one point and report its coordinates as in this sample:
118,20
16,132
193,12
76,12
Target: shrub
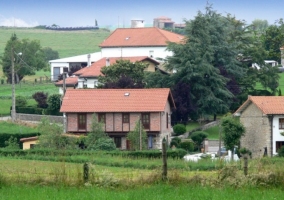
40,98
281,152
175,142
179,129
198,137
6,136
30,110
2,81
54,103
12,143
21,101
104,144
187,145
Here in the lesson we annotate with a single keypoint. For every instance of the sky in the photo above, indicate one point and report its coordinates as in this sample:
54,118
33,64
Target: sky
73,13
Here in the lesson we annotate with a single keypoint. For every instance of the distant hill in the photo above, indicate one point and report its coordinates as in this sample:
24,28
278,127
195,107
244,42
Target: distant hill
67,43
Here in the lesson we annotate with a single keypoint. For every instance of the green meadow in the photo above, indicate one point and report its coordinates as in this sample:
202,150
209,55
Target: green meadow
67,43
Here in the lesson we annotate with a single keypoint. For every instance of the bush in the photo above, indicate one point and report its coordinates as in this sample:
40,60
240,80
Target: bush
175,142
104,144
6,136
281,152
41,98
187,145
198,137
54,103
30,110
21,101
179,129
2,81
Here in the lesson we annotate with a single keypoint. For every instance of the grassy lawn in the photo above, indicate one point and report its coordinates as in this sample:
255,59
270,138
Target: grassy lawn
9,127
67,43
7,103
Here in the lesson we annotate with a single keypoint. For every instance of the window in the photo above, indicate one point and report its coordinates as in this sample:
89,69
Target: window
146,120
102,118
82,121
281,123
279,145
125,118
65,69
167,120
117,142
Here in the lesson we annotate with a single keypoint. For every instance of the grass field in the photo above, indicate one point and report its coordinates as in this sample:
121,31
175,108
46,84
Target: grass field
9,127
26,179
67,43
154,192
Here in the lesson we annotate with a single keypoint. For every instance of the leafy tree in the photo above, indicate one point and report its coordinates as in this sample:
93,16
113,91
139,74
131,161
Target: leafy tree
273,39
41,99
21,101
157,79
114,75
32,58
259,25
51,136
50,54
269,77
232,130
97,132
134,137
198,137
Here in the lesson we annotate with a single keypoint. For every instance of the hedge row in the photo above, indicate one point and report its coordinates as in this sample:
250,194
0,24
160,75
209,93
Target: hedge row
37,111
177,153
5,137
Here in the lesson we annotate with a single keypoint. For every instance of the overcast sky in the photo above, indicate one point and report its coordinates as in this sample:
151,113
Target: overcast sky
65,13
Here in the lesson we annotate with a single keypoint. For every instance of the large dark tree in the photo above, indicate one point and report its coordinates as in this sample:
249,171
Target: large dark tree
207,47
28,58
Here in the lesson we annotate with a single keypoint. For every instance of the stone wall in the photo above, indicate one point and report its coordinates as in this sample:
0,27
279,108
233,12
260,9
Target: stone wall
258,131
37,118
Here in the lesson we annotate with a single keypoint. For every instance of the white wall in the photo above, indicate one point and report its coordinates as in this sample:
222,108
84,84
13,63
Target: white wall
276,132
61,65
89,82
158,52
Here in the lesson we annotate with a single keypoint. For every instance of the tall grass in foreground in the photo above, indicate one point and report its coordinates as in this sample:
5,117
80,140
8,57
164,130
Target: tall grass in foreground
157,191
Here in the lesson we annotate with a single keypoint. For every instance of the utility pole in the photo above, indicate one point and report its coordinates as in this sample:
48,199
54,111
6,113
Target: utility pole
13,113
64,83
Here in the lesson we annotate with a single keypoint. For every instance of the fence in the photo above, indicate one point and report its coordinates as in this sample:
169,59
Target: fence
37,118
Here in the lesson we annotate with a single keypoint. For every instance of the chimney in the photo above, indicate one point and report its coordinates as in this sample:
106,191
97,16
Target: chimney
107,62
89,60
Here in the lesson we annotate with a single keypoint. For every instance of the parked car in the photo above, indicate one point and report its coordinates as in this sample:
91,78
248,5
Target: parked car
224,151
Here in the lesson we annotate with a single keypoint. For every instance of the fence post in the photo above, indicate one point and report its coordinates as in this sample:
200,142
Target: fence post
164,155
86,172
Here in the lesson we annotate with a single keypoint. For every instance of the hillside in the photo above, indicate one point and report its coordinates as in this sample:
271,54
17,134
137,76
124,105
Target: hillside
67,43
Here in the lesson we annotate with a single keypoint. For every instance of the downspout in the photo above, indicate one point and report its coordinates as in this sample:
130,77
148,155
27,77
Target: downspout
271,135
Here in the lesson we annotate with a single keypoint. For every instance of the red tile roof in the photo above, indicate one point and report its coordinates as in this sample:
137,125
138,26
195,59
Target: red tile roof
70,81
267,104
116,100
152,36
95,69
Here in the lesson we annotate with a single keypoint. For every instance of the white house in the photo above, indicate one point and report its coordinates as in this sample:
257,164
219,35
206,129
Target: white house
59,66
263,119
123,42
